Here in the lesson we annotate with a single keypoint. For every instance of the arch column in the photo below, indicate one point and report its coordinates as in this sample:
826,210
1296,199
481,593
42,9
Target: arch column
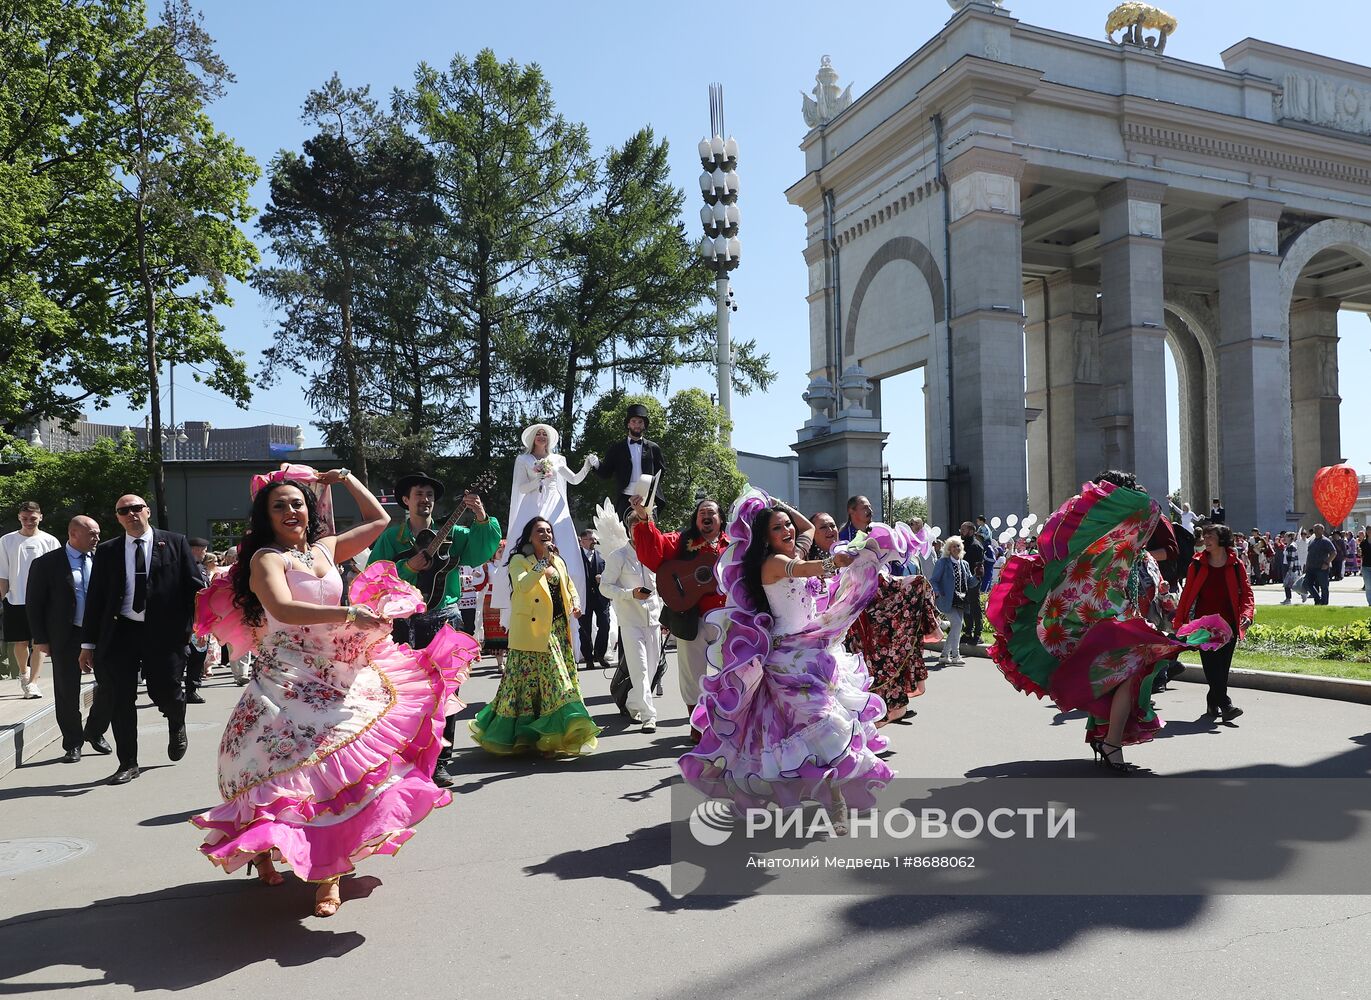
1133,330
1195,401
987,330
1254,368
1314,399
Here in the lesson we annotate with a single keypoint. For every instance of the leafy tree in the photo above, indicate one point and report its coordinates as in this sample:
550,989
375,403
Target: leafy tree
73,482
906,509
509,168
342,214
182,193
687,429
63,240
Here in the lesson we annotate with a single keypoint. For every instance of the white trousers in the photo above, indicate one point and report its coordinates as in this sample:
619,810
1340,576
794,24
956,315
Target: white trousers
642,648
690,667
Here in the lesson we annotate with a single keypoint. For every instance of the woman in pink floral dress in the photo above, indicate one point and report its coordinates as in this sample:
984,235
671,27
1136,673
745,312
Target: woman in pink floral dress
328,758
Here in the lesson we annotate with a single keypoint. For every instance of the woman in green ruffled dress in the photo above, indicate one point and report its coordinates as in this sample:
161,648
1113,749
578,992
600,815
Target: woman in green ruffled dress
538,705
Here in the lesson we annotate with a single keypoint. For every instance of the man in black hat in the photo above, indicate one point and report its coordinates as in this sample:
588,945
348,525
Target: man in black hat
418,493
630,458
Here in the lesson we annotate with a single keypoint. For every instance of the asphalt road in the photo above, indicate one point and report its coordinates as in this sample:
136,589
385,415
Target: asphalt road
548,880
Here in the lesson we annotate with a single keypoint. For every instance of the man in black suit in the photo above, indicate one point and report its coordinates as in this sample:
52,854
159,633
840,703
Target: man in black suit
630,458
596,604
57,586
138,617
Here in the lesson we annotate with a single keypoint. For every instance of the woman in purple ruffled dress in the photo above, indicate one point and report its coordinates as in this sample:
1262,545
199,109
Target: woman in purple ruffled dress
786,713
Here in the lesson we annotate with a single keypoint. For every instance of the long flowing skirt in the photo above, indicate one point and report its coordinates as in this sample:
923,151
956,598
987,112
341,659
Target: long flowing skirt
329,755
538,705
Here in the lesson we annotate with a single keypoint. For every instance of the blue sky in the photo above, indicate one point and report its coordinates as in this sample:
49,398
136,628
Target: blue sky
617,66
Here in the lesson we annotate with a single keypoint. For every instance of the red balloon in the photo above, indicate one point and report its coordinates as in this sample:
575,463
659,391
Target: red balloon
1335,492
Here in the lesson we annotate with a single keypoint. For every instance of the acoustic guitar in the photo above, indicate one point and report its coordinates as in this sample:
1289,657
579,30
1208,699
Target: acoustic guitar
437,544
682,582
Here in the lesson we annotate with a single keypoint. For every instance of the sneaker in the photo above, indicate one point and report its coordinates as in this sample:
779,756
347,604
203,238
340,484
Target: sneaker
34,690
1286,601
650,726
441,777
23,686
958,662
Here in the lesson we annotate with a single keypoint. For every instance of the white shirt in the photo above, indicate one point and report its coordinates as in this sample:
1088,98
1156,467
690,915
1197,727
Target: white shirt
17,553
126,608
635,451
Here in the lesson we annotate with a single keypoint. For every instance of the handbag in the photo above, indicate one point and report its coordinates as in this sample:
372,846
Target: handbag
684,625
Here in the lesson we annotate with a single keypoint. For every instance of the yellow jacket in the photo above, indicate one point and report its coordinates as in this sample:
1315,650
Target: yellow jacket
530,612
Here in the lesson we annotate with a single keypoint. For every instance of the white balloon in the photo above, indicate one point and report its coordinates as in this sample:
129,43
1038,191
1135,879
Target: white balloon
1006,536
1012,520
935,531
1023,532
995,521
1031,520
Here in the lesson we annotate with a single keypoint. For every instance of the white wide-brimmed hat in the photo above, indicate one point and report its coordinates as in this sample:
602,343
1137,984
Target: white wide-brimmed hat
552,437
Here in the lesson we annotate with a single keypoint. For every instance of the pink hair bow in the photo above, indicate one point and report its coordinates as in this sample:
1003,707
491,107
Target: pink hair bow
299,473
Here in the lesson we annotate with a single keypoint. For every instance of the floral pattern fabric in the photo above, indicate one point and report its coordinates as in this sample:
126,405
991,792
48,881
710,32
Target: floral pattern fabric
890,635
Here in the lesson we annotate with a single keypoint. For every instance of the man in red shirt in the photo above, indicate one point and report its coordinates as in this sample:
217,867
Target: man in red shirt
654,547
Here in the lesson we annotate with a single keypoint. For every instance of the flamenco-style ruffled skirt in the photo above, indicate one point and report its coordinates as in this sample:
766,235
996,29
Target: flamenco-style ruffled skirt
329,756
538,705
781,727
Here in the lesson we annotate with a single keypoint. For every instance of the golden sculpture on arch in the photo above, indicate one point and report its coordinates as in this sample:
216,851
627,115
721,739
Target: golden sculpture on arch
1135,18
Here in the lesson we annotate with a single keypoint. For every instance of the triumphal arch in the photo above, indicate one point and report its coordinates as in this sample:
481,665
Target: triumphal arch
1035,218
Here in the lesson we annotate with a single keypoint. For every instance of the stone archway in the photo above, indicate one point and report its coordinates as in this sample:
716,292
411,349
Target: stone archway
904,248
1192,332
1313,372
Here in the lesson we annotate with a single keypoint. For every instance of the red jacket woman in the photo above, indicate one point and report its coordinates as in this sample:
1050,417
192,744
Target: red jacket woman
1217,584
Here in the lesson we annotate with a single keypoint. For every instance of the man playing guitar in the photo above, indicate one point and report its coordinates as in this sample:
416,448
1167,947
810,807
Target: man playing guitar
417,493
703,539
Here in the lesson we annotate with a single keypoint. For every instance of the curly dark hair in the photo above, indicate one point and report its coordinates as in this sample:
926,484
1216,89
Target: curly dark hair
261,535
1125,479
690,533
1222,532
757,552
524,547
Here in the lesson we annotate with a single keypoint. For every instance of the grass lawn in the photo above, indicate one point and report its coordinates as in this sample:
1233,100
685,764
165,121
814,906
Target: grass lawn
1284,664
1313,616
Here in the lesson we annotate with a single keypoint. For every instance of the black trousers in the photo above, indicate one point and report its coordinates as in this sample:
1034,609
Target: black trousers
601,649
66,689
621,504
117,668
1216,666
195,666
417,632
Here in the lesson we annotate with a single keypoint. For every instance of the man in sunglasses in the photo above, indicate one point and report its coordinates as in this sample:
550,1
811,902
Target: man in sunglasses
139,608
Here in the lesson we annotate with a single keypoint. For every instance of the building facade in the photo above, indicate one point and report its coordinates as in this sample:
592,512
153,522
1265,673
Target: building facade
1034,218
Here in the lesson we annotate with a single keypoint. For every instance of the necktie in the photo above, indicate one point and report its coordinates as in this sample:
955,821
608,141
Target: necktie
140,577
85,574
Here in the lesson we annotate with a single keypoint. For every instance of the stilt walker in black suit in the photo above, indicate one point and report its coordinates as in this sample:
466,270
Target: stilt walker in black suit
630,458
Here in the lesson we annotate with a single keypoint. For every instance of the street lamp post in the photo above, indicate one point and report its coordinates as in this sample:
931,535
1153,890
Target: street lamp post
720,245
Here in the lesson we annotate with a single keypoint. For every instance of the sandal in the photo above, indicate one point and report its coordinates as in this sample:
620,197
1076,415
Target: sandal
327,899
1119,766
266,874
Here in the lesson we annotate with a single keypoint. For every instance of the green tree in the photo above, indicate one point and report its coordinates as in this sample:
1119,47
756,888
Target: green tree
59,242
629,284
509,167
344,218
73,482
182,195
906,509
687,429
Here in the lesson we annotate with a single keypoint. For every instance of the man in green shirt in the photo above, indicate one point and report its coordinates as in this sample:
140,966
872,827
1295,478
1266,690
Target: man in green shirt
418,493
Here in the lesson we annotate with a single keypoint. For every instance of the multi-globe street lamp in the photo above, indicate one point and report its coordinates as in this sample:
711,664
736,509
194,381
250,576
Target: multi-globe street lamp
720,246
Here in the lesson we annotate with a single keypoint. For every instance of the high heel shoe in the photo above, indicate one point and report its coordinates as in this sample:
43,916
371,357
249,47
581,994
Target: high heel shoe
1119,766
267,875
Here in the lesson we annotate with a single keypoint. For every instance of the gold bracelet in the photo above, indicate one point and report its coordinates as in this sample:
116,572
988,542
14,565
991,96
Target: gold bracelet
352,614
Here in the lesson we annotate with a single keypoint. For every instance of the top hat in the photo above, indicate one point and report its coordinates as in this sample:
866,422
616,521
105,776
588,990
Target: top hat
638,410
406,483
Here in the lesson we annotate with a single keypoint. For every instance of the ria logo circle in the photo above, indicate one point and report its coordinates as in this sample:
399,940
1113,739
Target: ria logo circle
711,823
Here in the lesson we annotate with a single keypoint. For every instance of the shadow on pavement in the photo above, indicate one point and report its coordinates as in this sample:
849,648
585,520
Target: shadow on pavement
175,938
